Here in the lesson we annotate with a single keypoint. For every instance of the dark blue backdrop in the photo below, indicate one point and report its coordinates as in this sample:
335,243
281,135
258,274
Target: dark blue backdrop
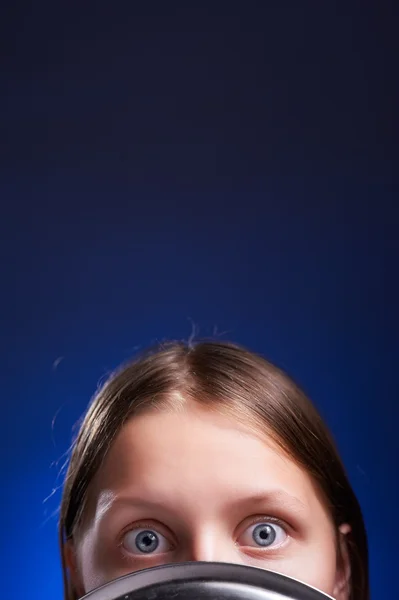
227,164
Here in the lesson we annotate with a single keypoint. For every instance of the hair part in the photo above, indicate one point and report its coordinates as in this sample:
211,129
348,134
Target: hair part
226,378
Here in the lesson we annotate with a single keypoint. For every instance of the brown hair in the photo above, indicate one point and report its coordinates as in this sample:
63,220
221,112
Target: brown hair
222,377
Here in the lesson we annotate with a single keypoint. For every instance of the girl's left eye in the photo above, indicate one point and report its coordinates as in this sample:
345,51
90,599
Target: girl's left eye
263,535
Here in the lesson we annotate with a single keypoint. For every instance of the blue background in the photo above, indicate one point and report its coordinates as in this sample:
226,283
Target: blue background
229,165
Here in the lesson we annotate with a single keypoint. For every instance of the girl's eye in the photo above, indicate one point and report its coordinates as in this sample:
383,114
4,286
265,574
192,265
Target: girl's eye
145,541
263,535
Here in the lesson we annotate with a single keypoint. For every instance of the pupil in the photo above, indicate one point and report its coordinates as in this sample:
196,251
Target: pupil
264,535
147,541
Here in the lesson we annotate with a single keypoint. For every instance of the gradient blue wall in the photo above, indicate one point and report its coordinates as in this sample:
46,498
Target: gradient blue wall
226,168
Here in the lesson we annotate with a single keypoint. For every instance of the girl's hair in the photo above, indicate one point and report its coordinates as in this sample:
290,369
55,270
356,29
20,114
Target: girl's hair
226,378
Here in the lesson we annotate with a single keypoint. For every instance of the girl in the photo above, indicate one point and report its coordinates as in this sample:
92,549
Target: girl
208,453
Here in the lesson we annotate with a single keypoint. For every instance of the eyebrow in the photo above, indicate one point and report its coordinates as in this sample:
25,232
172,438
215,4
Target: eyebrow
274,499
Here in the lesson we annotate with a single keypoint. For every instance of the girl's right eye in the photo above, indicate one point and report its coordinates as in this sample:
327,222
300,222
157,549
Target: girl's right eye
141,541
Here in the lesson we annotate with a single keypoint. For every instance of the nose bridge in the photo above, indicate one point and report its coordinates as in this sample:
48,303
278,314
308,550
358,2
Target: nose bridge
210,544
206,535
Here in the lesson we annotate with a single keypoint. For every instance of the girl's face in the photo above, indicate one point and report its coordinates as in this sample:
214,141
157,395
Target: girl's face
194,486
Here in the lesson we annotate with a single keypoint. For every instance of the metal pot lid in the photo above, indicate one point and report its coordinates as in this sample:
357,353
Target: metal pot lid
205,581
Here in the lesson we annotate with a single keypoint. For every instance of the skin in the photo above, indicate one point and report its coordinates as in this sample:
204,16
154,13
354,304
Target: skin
202,484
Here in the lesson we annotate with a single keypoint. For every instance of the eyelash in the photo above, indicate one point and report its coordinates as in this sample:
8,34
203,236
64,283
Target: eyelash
144,525
268,519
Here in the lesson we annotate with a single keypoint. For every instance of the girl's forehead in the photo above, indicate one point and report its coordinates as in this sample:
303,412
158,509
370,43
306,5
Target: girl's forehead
198,453
170,437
